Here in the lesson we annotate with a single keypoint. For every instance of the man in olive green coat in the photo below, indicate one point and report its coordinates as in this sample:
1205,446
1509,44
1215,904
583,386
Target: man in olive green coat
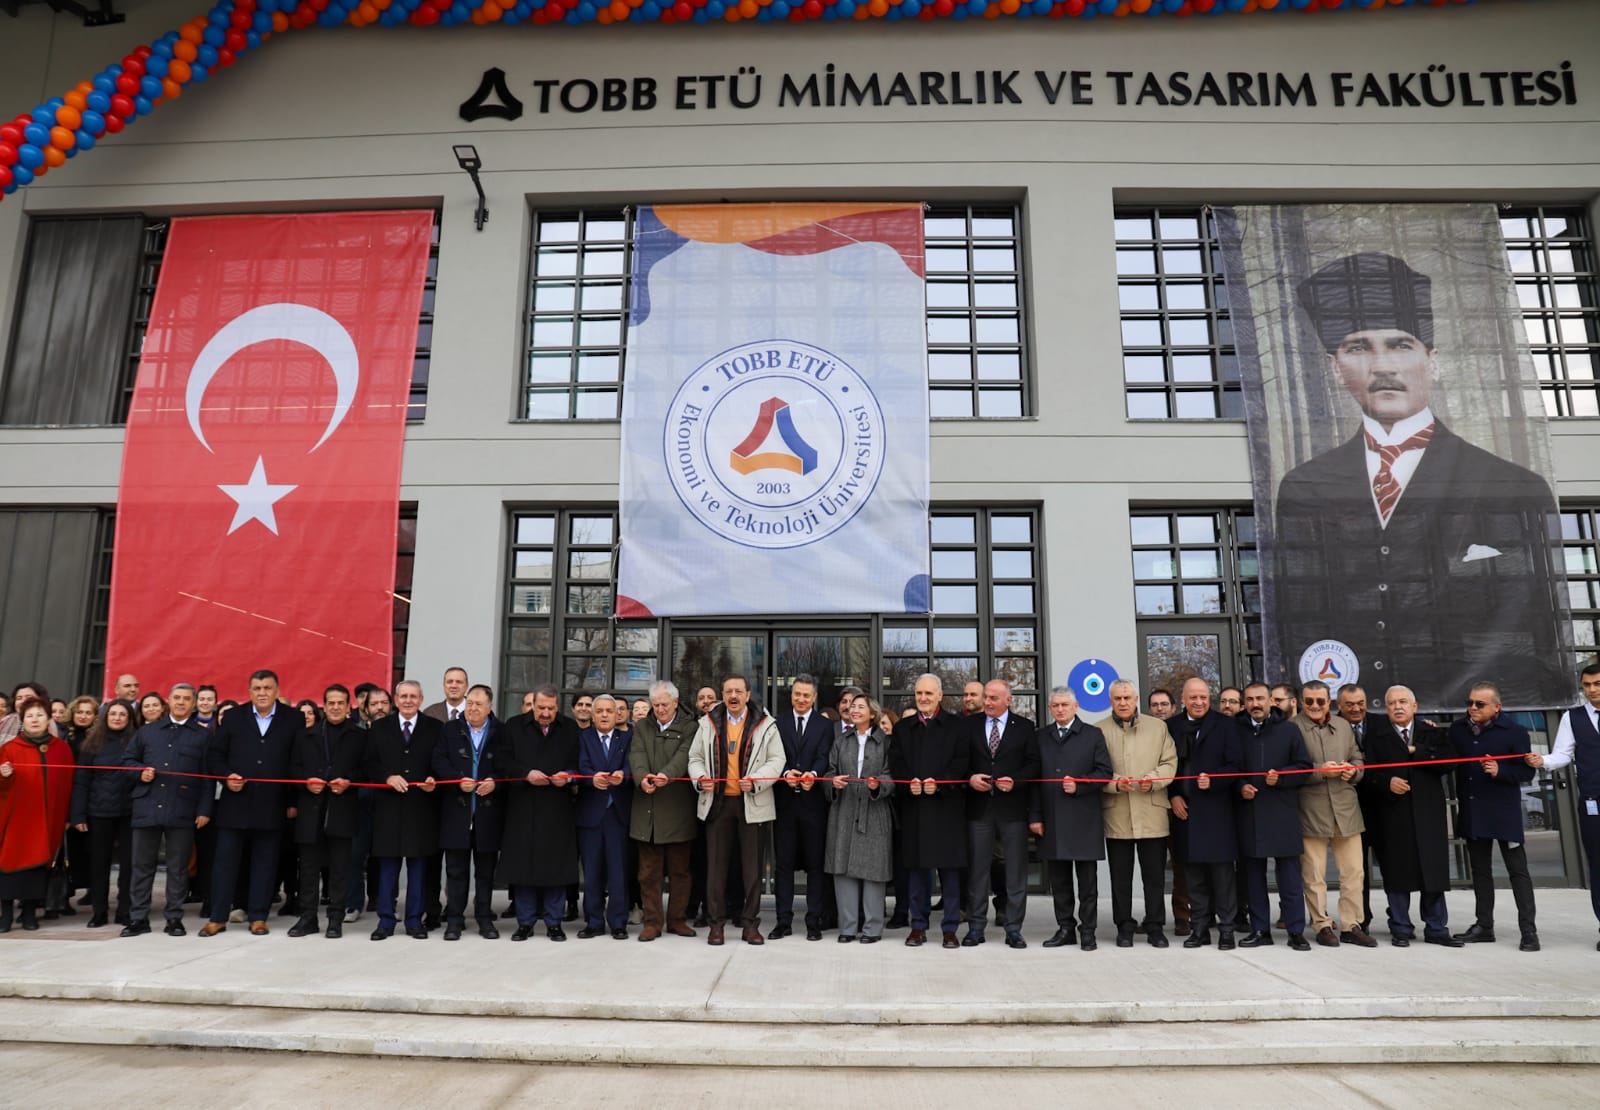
663,820
1330,818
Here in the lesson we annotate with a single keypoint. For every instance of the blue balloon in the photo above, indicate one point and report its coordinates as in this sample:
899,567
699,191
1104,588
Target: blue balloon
206,55
29,156
21,174
93,122
99,101
45,114
105,83
150,87
142,106
155,66
160,49
37,134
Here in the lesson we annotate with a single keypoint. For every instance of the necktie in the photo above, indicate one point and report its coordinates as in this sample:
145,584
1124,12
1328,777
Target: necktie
994,737
605,745
1061,731
455,714
1405,737
1385,488
800,723
405,727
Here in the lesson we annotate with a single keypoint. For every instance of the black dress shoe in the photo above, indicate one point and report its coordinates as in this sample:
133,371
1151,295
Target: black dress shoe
1158,939
619,934
1059,939
1225,941
30,920
134,929
487,931
380,933
508,913
845,938
335,929
897,920
175,929
1530,943
1197,940
523,932
1014,940
813,933
1087,942
971,940
1299,943
701,921
453,932
98,921
779,932
572,912
1124,940
1256,940
304,927
1476,935
870,940
1443,940
121,918
419,933
1400,941
589,932
556,932
430,921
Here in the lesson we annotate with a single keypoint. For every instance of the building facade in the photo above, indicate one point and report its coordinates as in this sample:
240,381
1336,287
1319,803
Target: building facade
1091,494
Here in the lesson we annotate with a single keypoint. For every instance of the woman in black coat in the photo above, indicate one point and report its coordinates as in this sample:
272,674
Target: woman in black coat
102,807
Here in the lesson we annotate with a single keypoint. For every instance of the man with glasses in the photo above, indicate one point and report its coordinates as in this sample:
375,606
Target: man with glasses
1352,706
1489,800
1578,740
1283,698
1230,701
1330,818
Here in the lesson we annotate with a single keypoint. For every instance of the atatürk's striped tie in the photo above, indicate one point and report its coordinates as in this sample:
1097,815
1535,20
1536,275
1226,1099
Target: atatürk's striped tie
1385,488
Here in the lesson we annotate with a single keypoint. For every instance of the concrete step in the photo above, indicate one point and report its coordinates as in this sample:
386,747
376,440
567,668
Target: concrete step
801,1044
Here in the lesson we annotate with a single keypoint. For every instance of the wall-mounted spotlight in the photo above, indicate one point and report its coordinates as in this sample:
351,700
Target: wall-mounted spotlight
467,158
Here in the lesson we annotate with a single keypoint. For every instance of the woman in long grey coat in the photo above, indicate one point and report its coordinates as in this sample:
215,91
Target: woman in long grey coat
860,850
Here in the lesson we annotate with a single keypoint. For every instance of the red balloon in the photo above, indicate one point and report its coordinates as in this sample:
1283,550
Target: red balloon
241,19
114,124
236,42
225,57
128,86
813,9
683,9
8,154
5,177
142,52
133,66
11,133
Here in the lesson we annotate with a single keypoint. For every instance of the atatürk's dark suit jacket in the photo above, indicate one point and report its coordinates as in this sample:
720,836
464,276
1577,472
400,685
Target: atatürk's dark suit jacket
1459,586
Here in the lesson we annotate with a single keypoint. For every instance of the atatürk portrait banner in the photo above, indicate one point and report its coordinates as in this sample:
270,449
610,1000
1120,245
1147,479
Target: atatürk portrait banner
1405,514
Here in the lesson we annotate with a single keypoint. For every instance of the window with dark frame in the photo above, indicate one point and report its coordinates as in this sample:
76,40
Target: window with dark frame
1178,358
1201,562
1580,541
578,303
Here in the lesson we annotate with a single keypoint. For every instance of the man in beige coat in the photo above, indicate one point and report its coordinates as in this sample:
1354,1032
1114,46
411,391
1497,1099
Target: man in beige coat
1143,759
1330,817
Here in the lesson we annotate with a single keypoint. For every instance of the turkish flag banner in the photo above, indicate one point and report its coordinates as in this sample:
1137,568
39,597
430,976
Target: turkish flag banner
261,471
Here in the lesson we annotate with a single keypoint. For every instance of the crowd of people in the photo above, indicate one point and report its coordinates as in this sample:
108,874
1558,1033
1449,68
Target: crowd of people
655,814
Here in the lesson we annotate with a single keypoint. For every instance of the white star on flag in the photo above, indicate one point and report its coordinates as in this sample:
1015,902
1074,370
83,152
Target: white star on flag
255,500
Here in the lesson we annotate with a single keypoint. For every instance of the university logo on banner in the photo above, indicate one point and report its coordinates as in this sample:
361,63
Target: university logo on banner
261,470
775,424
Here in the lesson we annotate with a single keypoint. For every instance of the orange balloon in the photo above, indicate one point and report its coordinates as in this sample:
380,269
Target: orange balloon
69,117
192,32
179,71
280,22
1010,6
170,89
879,8
748,8
61,138
74,99
185,51
53,156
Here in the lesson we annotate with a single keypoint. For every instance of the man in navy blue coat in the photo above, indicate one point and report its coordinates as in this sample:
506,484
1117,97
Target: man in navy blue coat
167,806
470,814
605,807
1268,812
251,744
1578,741
1004,750
1208,744
1489,799
801,831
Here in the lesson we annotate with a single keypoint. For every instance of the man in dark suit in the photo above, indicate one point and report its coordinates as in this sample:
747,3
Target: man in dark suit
1578,742
251,743
1004,753
1268,815
1067,815
328,756
539,843
1489,801
932,756
1429,557
801,831
604,812
1208,744
1413,846
405,817
470,813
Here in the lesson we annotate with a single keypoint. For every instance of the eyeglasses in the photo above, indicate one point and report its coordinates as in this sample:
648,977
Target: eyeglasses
1474,704
1315,701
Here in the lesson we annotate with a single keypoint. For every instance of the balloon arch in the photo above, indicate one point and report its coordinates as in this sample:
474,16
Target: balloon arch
43,139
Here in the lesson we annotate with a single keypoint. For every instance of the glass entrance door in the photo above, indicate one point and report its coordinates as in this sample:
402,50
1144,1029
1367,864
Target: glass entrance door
773,658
